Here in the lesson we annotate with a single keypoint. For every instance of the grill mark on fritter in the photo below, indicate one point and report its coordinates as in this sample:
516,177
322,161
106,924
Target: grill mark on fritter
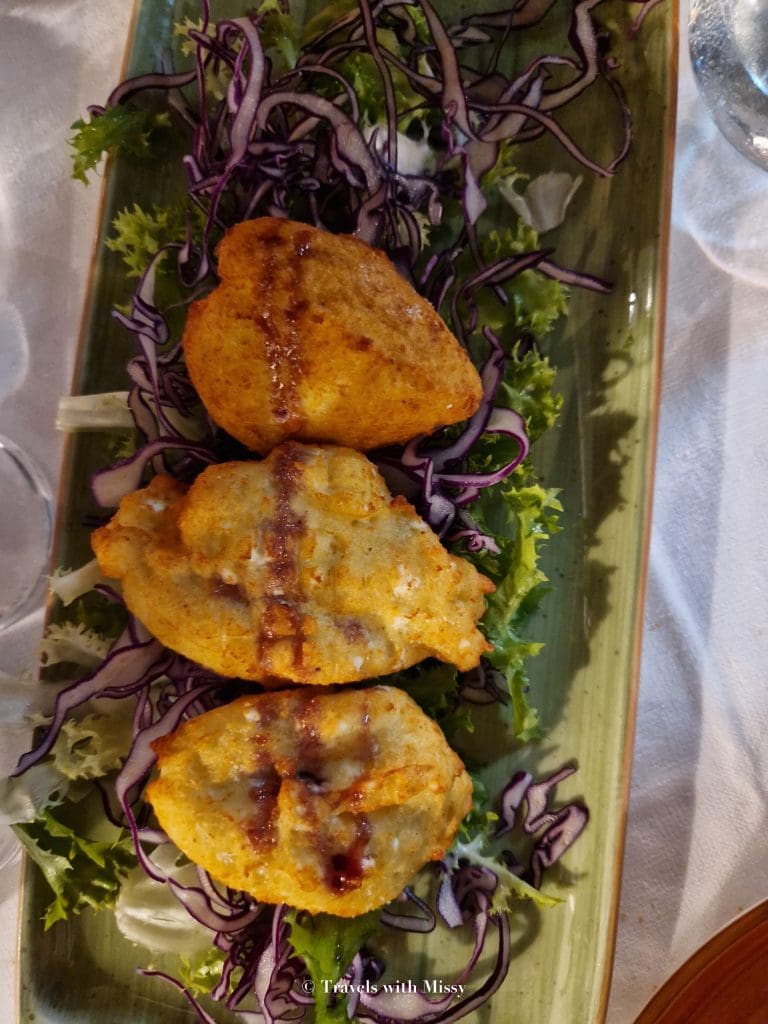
344,871
282,339
283,619
264,785
310,770
264,790
310,759
268,714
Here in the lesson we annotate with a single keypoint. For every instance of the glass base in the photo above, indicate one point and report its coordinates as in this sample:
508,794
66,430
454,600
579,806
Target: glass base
26,527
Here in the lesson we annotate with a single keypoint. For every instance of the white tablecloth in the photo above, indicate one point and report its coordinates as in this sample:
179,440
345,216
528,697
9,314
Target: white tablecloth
696,852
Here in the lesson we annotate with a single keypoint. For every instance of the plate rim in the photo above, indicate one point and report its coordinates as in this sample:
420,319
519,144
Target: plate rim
668,140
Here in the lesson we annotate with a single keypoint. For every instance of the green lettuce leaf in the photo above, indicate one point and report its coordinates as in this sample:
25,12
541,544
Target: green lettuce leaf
536,301
328,944
431,684
181,30
95,611
139,234
481,820
520,516
81,872
510,887
217,76
505,169
279,34
324,18
361,72
122,129
93,746
434,687
23,798
72,643
529,388
201,973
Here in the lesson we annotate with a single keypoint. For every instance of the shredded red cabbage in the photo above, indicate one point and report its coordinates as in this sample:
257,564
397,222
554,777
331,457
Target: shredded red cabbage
287,144
424,921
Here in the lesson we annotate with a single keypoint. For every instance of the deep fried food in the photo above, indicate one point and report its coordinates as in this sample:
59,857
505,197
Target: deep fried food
329,802
316,337
301,567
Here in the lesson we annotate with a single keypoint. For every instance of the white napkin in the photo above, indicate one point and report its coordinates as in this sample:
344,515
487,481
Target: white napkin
696,849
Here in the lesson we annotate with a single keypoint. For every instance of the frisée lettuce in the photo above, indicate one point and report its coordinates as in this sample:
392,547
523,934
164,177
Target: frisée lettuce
83,873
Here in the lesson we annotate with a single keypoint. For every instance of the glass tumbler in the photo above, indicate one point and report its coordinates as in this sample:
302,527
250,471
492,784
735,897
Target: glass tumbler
26,514
728,42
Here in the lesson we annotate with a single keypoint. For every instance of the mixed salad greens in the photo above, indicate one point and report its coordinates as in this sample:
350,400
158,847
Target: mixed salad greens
389,122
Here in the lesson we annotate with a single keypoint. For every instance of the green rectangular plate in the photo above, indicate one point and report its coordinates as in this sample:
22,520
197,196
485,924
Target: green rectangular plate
608,352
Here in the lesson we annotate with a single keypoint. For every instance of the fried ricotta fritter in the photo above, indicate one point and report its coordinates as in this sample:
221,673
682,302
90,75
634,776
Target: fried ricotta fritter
316,337
329,802
299,568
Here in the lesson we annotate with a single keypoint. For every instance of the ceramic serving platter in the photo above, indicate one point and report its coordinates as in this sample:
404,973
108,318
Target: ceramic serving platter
608,352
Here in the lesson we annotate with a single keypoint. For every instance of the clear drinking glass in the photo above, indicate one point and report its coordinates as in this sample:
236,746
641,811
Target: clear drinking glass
26,521
728,42
26,526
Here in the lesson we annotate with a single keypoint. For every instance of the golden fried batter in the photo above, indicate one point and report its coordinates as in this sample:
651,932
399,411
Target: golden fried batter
316,337
301,567
327,802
